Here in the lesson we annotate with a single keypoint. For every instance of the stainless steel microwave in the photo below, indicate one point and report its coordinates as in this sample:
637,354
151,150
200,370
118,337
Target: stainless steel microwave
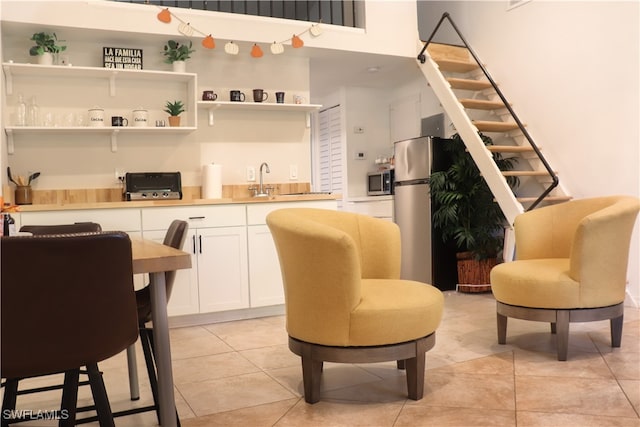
380,183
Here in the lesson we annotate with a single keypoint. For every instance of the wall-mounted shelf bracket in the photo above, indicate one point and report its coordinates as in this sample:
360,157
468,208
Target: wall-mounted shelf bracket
10,146
114,141
112,84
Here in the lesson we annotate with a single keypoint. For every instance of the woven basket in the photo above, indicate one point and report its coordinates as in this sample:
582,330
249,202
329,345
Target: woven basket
473,275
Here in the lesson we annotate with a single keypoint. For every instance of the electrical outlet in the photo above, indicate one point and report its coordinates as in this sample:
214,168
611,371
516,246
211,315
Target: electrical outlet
293,172
119,175
251,174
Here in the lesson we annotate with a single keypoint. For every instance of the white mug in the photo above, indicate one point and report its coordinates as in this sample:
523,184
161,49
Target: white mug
298,99
140,118
96,117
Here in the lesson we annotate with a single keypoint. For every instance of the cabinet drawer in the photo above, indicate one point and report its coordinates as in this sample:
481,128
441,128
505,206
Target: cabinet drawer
378,209
109,219
257,213
159,218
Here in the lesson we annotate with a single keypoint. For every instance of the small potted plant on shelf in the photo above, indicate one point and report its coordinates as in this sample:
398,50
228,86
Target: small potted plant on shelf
465,212
177,54
46,47
174,109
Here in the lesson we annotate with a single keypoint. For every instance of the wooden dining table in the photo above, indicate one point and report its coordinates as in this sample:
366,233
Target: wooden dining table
155,259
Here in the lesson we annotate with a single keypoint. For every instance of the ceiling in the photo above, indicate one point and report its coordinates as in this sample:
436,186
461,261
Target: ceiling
332,69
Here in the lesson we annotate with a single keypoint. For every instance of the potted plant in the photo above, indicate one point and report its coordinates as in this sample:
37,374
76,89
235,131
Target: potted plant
174,109
177,54
465,212
46,46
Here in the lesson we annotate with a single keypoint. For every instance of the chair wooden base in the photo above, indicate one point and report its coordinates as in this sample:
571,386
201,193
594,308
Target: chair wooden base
412,353
560,320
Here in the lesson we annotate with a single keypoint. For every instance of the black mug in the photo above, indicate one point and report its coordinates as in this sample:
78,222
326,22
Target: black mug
119,121
236,96
260,95
280,97
209,95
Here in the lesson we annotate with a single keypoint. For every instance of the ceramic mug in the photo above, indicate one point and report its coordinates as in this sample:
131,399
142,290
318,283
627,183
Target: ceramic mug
119,121
140,118
298,99
96,117
280,97
259,95
209,95
236,96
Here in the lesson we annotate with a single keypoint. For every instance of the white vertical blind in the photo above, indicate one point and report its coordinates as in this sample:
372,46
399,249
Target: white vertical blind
330,150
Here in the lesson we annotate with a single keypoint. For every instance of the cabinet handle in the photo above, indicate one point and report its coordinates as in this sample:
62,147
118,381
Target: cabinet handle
200,242
193,238
196,217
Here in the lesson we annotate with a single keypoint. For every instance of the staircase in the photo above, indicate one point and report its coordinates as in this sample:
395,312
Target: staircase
474,103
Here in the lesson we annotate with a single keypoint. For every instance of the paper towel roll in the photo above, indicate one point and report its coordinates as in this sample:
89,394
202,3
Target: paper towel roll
212,181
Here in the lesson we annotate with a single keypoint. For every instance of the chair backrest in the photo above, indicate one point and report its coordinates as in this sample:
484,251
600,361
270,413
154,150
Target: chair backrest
323,256
78,227
175,237
593,233
67,300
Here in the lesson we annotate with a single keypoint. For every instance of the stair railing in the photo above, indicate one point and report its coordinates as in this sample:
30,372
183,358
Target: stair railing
421,57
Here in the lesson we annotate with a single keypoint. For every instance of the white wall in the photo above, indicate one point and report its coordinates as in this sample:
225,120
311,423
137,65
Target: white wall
571,71
238,139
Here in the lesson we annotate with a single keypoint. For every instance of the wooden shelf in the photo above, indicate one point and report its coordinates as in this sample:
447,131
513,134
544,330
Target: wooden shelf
107,76
112,131
212,106
110,74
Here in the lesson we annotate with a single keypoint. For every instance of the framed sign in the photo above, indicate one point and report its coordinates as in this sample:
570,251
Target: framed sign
122,58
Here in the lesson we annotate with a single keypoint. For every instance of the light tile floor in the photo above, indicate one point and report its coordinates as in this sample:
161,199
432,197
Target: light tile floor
242,373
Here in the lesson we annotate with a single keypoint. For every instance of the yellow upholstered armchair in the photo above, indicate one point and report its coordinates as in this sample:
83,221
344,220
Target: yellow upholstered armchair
344,298
571,266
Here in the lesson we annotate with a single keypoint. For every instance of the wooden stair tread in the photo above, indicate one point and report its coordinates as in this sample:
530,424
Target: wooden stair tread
468,84
456,66
510,148
448,51
481,104
525,173
546,199
487,126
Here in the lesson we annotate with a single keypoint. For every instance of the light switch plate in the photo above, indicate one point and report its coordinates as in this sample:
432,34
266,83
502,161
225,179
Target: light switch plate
251,174
293,172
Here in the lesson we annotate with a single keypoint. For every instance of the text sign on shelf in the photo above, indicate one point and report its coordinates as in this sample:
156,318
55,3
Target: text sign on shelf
122,58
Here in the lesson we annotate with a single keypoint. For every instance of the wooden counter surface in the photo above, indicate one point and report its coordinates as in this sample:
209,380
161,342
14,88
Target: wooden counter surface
192,202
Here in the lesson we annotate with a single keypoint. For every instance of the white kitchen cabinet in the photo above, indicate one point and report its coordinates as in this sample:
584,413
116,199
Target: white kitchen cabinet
217,240
127,220
375,206
145,86
184,296
223,281
265,277
264,268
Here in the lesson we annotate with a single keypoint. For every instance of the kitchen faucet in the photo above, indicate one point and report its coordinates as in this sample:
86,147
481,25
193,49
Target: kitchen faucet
261,191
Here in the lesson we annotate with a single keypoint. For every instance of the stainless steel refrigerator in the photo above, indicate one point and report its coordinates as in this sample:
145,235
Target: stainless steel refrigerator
412,206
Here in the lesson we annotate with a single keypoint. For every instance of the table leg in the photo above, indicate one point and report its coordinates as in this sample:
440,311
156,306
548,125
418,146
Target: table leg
134,386
163,349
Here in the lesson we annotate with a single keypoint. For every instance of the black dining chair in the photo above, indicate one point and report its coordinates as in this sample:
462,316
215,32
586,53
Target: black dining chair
78,227
67,302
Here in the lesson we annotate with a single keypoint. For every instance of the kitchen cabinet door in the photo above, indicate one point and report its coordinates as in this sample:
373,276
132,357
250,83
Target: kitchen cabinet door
264,268
223,281
184,296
